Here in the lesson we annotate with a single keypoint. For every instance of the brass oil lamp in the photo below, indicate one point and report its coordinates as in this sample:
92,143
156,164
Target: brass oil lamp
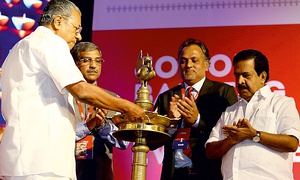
151,130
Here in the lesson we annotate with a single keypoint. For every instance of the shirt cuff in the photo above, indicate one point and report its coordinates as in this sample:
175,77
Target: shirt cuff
106,129
81,130
195,125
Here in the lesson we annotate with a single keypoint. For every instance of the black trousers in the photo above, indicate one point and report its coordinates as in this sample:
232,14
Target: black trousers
185,173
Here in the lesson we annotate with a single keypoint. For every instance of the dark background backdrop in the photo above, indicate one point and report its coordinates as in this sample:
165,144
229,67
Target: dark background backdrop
86,7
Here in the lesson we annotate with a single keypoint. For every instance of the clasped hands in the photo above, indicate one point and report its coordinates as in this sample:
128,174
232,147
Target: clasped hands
239,131
185,108
97,118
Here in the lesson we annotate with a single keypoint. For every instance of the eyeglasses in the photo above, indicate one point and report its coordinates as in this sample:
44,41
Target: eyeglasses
78,29
87,61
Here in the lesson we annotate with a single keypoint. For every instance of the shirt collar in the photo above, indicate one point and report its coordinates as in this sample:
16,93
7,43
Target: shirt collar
44,28
197,85
263,92
95,83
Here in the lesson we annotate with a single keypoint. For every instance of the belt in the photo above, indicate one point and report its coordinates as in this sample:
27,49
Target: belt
186,170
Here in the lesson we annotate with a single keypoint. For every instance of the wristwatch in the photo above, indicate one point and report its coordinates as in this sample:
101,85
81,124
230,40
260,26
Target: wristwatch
97,128
256,138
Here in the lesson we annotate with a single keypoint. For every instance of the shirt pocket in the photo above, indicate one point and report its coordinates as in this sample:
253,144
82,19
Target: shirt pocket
265,121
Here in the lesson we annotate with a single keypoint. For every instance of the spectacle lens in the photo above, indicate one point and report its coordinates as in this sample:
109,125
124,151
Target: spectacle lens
86,61
78,29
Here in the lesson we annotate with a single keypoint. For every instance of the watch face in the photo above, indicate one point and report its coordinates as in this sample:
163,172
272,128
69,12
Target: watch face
256,138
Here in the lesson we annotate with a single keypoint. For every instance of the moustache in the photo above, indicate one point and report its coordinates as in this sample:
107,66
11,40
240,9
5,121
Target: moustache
242,86
92,71
188,71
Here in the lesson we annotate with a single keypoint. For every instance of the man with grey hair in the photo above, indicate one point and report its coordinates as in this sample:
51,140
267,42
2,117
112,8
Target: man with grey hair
197,103
94,126
39,75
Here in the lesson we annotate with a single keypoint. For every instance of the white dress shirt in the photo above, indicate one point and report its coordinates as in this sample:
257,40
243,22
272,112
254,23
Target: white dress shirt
247,160
40,130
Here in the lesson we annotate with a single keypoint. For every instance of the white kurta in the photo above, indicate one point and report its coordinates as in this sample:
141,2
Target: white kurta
267,112
40,131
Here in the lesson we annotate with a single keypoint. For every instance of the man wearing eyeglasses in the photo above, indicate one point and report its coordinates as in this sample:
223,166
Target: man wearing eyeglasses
94,125
39,75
